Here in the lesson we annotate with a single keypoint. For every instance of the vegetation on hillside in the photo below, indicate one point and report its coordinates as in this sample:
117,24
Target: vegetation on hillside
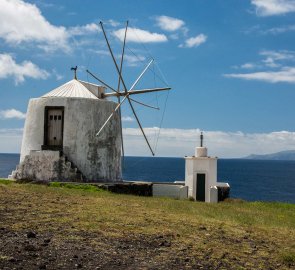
80,226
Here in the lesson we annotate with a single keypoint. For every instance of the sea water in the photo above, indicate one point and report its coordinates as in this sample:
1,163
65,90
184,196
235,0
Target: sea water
252,180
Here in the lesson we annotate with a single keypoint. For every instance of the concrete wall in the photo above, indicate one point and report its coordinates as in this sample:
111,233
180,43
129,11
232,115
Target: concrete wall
206,165
213,194
98,158
172,191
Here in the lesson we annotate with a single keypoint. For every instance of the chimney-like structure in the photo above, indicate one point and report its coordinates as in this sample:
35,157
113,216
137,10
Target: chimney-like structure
201,151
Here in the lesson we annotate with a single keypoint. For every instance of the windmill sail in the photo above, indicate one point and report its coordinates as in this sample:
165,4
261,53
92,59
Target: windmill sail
125,93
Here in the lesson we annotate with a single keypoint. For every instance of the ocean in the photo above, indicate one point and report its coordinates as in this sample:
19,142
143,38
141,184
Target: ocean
251,180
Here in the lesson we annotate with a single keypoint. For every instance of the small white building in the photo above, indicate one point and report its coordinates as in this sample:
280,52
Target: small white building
201,176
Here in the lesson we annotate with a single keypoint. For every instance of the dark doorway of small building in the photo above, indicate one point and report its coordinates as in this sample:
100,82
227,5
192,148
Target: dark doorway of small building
200,193
53,128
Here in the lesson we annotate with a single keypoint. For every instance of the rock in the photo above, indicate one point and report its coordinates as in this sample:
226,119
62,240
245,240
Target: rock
30,248
31,234
165,244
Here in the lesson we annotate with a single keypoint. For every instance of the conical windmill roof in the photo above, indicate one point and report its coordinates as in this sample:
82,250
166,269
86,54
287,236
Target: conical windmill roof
73,88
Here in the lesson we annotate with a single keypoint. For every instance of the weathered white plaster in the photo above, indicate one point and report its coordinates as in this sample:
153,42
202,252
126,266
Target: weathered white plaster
98,158
46,166
195,165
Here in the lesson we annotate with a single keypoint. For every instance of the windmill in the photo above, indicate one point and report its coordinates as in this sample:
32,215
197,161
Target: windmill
126,93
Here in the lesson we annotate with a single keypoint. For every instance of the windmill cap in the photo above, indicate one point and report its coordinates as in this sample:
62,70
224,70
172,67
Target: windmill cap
74,88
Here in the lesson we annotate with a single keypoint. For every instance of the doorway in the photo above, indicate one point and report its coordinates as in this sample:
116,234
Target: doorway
53,128
201,184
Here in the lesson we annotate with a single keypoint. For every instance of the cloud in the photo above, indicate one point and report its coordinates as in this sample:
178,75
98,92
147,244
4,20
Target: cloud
23,22
273,7
133,60
286,74
273,31
248,66
194,41
273,57
168,23
84,29
12,113
279,55
57,75
127,119
280,63
130,60
112,23
9,68
270,62
279,30
100,52
182,142
138,35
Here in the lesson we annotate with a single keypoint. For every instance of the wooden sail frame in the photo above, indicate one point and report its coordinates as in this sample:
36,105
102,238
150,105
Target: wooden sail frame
126,93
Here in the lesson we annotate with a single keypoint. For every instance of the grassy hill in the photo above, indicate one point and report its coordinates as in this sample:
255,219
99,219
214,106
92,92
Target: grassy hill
71,227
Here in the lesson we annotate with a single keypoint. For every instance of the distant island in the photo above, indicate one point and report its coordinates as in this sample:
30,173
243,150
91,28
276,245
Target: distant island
283,155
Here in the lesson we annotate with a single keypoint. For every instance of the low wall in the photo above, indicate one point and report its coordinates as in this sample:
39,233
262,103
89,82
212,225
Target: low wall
139,188
171,191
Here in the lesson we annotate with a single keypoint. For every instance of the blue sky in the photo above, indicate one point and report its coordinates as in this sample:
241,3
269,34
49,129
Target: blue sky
231,65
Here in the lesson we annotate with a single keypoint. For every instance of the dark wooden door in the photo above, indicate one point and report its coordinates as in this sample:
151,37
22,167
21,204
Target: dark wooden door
201,183
54,127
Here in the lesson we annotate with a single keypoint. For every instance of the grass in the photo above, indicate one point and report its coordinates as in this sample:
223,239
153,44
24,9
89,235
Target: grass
90,188
243,235
6,181
288,257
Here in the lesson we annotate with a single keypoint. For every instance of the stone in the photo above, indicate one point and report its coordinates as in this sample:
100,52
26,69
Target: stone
30,247
31,234
42,266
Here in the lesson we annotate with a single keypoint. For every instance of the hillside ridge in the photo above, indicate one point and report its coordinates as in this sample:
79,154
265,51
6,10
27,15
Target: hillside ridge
282,155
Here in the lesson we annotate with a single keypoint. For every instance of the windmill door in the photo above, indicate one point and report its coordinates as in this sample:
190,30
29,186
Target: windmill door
54,127
200,196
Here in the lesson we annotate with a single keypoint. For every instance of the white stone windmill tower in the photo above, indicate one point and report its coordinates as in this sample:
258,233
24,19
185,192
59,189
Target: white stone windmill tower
74,133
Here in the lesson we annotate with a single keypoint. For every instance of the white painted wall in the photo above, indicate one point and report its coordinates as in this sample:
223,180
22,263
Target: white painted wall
98,158
171,191
195,165
213,194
